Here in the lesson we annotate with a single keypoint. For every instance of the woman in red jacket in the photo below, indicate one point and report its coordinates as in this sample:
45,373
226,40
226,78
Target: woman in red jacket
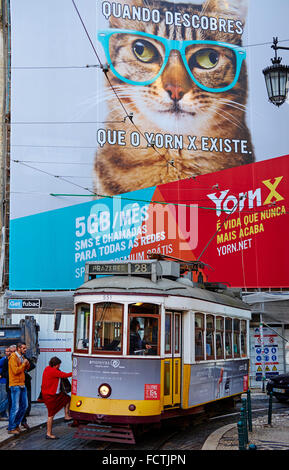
53,398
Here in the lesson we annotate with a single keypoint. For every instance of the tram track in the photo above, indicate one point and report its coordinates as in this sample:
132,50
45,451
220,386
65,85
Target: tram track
195,434
173,435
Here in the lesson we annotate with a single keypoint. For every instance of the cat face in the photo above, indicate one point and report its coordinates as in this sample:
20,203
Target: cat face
173,87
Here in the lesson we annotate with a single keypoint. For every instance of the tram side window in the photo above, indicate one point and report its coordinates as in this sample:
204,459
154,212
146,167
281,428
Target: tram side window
220,338
168,333
243,338
199,337
108,318
236,338
82,327
210,337
143,329
228,337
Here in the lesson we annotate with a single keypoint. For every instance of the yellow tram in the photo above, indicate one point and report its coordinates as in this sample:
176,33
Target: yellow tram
151,344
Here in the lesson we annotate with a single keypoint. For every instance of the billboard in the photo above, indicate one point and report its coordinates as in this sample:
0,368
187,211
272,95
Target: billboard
234,221
158,108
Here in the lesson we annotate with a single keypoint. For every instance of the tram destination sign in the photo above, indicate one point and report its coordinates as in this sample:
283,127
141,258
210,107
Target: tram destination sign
120,268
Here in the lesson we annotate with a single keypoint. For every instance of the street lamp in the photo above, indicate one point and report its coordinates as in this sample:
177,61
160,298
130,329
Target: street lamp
277,77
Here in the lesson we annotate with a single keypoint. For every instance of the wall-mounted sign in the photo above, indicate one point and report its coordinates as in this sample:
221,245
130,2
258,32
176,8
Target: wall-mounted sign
24,303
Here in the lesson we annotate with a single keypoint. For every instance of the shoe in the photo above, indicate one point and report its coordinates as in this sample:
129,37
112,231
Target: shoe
68,419
49,437
14,431
25,425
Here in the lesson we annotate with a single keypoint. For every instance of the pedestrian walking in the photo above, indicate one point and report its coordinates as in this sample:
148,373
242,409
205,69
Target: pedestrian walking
5,372
3,391
52,395
28,379
19,402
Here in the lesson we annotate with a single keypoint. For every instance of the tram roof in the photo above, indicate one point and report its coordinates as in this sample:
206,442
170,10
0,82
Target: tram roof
180,287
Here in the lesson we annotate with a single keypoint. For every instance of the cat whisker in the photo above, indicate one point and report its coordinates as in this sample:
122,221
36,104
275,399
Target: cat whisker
232,105
231,119
227,105
234,102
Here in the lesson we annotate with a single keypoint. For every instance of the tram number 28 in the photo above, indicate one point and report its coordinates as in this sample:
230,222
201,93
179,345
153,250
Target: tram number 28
140,268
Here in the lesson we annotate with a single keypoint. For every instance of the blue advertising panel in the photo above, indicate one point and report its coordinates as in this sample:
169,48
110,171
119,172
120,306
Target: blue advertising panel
49,250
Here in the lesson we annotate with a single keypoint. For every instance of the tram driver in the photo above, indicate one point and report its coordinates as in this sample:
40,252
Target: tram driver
136,344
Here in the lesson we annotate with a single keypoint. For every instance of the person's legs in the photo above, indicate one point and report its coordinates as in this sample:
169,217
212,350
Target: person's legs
23,403
15,397
9,399
49,426
3,400
66,410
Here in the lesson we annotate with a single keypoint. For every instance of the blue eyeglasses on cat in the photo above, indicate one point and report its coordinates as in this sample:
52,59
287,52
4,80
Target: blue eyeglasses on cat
139,58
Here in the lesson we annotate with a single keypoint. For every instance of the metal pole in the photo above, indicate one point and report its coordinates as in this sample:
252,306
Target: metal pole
244,420
284,348
242,445
262,354
270,408
249,409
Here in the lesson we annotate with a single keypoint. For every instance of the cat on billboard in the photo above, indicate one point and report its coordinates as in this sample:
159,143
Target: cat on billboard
179,70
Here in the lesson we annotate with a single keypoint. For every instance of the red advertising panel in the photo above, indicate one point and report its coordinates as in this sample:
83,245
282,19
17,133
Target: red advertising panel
235,221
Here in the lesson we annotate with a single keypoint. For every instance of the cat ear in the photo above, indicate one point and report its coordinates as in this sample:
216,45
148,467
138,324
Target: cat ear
229,8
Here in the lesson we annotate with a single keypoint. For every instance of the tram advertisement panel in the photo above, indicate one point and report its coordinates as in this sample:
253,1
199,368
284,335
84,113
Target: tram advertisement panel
133,101
209,382
142,378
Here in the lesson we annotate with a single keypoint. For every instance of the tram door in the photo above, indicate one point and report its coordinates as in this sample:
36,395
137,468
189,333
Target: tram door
172,362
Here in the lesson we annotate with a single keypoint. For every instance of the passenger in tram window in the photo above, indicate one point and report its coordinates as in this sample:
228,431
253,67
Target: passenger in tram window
152,335
219,346
136,344
208,349
114,345
199,352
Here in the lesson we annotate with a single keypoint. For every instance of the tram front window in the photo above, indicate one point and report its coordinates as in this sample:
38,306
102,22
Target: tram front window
82,326
143,337
107,327
143,329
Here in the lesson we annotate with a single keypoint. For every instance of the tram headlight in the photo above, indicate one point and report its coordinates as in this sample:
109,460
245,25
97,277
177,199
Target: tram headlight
78,403
104,390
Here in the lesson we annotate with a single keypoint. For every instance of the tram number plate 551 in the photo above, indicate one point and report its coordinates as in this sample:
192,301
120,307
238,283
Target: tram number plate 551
152,392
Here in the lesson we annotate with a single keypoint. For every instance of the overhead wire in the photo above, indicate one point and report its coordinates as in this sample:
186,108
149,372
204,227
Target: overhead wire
176,203
87,66
128,115
93,193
